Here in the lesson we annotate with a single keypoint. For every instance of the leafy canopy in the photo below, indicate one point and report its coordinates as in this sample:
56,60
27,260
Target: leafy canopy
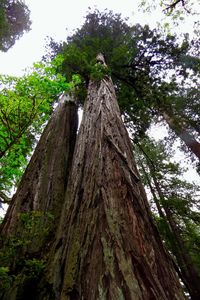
149,70
25,105
14,21
174,201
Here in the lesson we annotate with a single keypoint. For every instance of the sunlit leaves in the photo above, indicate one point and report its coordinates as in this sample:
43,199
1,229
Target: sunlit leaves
25,105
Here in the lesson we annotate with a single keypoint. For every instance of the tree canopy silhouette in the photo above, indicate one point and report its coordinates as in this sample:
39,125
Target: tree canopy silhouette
14,21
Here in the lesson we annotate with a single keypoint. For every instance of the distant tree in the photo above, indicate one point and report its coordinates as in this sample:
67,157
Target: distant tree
14,21
177,209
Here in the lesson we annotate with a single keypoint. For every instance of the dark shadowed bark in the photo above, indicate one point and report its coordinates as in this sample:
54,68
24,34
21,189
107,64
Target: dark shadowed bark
107,246
30,223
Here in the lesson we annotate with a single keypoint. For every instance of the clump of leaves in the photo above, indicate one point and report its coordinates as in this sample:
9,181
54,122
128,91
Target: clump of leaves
5,278
34,267
99,71
25,106
35,226
14,21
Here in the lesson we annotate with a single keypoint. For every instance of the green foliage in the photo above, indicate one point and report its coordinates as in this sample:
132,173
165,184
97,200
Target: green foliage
19,261
174,201
14,21
33,223
33,229
34,267
25,106
5,278
101,33
149,70
99,71
166,234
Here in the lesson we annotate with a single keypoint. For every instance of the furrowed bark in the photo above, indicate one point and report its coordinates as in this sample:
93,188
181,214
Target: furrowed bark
40,196
43,184
107,246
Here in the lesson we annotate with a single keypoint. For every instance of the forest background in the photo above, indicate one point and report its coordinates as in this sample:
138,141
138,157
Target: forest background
163,64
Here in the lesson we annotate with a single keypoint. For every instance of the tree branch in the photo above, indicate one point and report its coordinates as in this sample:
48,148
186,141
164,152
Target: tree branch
174,4
4,199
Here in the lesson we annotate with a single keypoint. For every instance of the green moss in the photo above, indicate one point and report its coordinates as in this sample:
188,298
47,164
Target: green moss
71,264
114,222
108,257
17,256
102,293
117,293
36,225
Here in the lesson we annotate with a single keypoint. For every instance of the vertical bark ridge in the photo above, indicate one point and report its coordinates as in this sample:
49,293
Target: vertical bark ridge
43,185
107,246
45,179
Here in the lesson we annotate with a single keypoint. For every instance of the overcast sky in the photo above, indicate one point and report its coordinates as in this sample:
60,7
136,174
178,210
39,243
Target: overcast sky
57,19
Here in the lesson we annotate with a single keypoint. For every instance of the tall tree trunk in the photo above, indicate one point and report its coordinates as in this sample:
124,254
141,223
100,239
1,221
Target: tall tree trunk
192,123
182,133
30,223
107,246
44,182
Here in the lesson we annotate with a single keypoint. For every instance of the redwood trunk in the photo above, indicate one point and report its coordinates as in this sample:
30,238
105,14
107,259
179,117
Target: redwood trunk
43,185
107,246
39,198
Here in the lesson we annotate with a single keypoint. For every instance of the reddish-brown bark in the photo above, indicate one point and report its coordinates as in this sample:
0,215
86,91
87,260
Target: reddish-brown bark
107,246
43,185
